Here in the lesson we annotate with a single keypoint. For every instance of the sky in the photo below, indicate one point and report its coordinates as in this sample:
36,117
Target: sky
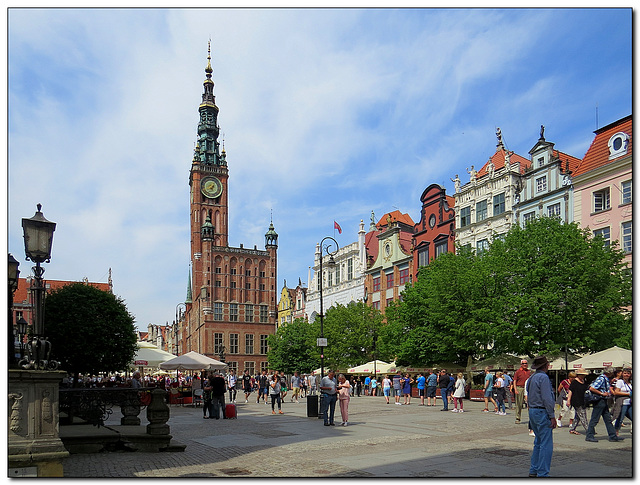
327,115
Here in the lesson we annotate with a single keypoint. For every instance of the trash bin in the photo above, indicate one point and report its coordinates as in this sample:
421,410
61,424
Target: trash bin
321,412
312,406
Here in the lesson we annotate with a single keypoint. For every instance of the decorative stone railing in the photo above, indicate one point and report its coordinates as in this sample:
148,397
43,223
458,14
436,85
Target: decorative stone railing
96,405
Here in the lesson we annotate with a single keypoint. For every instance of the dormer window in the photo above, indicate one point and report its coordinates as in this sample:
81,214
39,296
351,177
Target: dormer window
618,145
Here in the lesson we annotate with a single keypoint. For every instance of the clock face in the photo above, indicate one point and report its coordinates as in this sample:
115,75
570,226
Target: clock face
432,221
211,187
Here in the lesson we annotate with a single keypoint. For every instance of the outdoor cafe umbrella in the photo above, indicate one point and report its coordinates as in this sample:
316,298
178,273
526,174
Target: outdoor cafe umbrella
148,355
614,357
368,368
192,361
498,362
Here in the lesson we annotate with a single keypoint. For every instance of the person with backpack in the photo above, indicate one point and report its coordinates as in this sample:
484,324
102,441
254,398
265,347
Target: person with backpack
601,387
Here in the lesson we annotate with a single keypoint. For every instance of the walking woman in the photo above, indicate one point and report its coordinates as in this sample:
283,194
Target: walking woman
386,388
344,391
623,392
458,393
575,399
274,391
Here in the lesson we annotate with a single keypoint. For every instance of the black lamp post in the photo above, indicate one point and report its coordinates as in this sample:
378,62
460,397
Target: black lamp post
38,238
331,263
13,274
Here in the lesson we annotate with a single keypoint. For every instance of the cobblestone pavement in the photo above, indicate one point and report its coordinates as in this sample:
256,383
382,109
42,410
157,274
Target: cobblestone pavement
380,441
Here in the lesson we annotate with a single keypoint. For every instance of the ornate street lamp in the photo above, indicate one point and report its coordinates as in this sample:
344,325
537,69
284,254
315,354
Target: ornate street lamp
13,274
38,238
322,343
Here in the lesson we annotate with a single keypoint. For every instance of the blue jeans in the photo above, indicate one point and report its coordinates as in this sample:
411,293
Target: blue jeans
601,409
540,423
329,407
624,413
445,398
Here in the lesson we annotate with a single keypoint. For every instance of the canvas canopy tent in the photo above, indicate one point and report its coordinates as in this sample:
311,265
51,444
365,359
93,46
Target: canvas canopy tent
614,357
193,361
148,355
381,367
557,362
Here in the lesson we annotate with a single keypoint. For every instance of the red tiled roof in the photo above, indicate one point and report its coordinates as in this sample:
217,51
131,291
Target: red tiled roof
598,153
22,293
574,162
498,162
395,216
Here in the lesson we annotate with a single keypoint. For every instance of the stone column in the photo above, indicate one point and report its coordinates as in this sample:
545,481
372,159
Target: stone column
35,447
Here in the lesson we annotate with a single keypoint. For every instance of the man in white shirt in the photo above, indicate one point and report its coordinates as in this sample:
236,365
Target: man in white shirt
328,387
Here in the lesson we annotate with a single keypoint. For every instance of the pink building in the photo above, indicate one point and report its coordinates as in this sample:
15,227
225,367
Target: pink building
603,191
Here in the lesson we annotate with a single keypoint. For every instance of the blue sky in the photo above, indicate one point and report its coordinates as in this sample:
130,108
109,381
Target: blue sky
326,114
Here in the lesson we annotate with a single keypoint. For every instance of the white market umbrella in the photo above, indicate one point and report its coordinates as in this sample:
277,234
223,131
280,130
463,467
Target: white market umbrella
381,367
193,361
614,357
148,355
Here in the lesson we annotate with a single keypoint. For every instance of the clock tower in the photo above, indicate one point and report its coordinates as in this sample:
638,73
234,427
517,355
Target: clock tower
233,307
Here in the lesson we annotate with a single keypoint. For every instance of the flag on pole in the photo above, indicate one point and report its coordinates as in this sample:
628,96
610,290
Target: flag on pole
337,226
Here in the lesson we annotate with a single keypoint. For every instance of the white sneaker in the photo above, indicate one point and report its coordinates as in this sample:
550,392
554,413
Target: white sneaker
461,411
246,401
454,410
531,433
559,423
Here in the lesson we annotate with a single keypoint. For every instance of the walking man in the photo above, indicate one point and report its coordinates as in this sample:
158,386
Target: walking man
295,386
542,418
601,387
329,387
488,391
519,378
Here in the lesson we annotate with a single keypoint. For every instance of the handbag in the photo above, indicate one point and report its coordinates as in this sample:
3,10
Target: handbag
591,398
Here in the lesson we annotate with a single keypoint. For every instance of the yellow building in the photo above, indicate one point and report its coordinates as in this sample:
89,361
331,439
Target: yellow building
286,305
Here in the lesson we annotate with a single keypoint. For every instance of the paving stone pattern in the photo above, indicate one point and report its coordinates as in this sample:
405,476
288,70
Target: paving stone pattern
380,441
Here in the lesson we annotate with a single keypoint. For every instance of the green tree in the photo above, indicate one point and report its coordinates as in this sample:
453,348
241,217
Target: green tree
90,330
559,287
292,348
350,332
445,315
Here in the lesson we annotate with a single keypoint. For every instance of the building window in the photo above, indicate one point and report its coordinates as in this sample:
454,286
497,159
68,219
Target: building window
247,286
218,270
329,278
264,314
626,192
376,305
498,204
233,271
250,366
390,280
465,218
262,287
234,346
248,343
233,366
482,246
389,302
423,257
541,184
350,268
605,232
233,312
218,342
248,312
441,248
627,235
233,284
376,284
247,272
264,366
540,161
601,200
338,274
554,210
218,283
528,216
264,348
618,145
481,210
262,274
217,312
404,276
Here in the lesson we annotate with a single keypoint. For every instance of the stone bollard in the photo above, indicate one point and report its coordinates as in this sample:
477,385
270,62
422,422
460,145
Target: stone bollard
158,414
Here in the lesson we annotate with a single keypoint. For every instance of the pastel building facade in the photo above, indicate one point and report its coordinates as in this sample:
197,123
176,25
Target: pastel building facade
603,185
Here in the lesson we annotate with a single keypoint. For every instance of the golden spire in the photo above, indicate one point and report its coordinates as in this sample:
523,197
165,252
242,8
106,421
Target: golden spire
209,69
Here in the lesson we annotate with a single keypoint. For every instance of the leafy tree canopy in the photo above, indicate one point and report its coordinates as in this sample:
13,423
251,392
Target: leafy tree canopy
90,330
292,348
